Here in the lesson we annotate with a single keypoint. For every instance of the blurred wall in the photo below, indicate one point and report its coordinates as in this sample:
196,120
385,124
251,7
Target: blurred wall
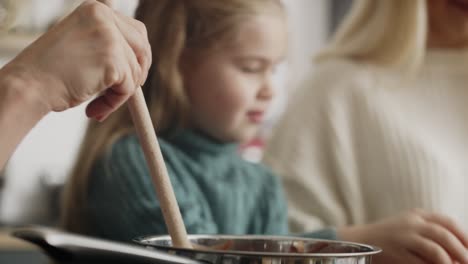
309,26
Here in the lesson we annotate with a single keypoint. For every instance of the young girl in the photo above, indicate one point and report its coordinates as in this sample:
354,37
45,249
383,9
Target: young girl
208,89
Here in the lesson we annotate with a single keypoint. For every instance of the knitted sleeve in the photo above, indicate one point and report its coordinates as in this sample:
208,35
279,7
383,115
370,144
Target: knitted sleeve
313,151
122,202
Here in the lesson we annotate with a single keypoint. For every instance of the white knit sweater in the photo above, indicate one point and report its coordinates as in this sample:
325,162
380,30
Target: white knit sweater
359,143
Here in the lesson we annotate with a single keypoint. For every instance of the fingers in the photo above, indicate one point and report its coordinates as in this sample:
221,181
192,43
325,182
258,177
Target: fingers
447,240
135,61
441,237
132,70
135,34
121,71
428,250
417,237
101,107
449,224
109,50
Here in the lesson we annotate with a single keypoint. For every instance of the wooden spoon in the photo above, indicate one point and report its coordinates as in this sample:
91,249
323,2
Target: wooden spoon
147,136
146,133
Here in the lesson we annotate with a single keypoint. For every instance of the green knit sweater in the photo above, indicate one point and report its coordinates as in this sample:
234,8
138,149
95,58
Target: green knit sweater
217,191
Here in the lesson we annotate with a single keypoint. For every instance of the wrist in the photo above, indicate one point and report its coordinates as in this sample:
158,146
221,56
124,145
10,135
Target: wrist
20,88
20,108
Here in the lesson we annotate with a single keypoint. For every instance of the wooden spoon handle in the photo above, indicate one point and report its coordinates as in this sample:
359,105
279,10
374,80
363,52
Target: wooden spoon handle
146,133
147,136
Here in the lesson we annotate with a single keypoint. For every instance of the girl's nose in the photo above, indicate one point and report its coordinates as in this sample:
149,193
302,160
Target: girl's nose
266,92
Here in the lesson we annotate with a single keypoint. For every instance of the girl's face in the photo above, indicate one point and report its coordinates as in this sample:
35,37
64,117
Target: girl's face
448,23
230,87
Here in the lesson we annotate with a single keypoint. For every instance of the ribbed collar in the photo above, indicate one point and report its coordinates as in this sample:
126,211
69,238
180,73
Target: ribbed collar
191,140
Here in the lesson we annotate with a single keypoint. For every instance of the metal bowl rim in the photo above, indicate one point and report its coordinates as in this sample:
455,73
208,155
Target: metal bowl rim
144,241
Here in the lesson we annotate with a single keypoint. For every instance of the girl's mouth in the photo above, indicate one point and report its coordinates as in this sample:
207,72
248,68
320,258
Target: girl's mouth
255,116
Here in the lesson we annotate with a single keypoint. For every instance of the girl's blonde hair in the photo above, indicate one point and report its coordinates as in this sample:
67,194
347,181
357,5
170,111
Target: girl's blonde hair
385,32
174,27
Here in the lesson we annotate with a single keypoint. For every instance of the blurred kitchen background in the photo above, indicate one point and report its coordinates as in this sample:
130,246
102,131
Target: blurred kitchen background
32,180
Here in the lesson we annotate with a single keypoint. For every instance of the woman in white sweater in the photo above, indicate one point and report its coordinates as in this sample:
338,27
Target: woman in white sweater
382,125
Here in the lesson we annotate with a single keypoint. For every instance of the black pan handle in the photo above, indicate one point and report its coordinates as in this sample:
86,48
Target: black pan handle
71,248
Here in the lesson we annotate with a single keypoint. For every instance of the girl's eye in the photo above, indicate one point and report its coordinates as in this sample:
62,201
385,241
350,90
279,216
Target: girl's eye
252,66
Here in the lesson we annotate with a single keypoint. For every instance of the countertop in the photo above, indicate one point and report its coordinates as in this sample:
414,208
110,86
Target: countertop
15,251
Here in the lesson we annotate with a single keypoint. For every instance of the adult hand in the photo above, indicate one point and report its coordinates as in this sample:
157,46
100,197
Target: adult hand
95,49
413,238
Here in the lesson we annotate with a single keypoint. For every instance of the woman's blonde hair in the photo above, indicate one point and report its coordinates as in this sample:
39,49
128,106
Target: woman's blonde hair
174,26
385,32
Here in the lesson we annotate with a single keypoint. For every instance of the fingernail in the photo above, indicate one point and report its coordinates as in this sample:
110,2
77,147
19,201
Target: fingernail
99,118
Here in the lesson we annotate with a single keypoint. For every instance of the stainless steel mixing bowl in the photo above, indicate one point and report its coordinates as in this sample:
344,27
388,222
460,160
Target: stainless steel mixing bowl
221,249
